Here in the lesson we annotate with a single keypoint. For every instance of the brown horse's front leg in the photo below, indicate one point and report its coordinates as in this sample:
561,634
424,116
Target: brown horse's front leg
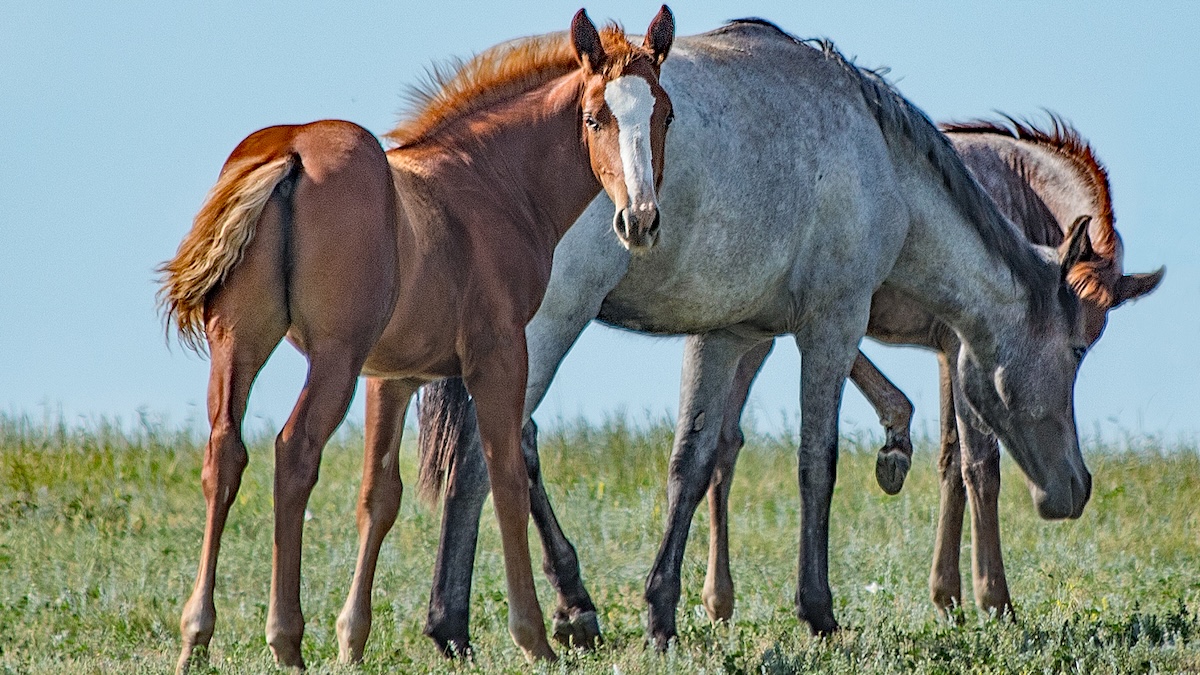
895,412
378,504
497,382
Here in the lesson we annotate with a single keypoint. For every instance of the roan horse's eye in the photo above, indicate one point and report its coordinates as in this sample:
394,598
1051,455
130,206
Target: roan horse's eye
670,118
591,122
1079,353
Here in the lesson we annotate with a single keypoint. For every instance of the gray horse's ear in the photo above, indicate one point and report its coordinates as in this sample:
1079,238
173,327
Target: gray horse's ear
586,41
1134,286
660,35
1078,246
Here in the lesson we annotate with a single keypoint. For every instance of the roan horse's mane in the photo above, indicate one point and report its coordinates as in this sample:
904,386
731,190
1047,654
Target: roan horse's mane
458,88
899,119
1093,278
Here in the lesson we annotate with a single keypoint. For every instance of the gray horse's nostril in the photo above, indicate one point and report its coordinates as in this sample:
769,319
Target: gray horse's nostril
654,225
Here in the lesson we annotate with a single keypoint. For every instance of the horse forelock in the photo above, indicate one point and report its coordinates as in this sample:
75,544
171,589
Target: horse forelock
460,87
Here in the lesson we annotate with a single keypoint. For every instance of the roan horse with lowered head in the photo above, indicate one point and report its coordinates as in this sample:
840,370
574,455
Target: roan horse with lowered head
423,263
789,232
1042,180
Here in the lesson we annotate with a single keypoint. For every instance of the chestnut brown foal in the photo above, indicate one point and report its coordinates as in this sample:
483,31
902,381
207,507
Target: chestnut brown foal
417,264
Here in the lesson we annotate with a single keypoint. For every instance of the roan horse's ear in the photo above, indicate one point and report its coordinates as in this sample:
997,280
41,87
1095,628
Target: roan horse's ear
1078,246
1133,286
586,41
660,34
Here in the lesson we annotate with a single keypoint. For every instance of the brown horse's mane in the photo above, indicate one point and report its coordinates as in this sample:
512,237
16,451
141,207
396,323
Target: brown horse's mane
1090,278
458,88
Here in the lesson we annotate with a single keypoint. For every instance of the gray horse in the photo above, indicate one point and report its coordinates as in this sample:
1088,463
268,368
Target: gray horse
799,185
1037,177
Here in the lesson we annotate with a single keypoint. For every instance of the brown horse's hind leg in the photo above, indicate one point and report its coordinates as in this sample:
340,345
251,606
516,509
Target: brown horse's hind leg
332,373
945,581
378,504
718,582
239,346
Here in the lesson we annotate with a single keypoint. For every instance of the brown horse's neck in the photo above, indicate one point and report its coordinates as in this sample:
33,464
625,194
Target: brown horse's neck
520,164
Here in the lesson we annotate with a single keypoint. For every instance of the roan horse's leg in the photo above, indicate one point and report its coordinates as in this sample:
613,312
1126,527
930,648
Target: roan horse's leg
981,472
945,580
238,351
710,361
895,414
827,353
378,504
552,332
718,582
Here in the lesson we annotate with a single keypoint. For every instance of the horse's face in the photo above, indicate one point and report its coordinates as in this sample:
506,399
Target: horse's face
1024,391
624,117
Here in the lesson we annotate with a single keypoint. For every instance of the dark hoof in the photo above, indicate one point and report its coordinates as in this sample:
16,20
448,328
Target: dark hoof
576,629
891,468
451,646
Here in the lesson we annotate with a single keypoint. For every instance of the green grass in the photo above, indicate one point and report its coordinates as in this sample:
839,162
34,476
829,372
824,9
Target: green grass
100,533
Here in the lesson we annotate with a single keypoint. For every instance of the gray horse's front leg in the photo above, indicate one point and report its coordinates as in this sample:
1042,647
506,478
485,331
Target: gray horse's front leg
895,414
826,355
708,369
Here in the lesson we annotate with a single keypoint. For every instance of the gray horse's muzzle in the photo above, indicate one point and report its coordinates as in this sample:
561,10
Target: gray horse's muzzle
637,226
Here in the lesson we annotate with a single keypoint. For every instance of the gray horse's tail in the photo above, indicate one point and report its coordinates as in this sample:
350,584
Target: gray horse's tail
445,425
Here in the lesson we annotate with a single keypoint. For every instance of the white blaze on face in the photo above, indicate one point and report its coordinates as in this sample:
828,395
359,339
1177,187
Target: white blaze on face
631,102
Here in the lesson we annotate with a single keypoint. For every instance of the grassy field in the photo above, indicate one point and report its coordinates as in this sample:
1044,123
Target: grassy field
100,533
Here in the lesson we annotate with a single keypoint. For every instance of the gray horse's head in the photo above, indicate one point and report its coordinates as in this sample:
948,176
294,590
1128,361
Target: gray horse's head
1024,390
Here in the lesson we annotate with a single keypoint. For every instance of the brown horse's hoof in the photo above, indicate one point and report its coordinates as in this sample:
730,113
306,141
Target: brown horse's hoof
891,468
576,629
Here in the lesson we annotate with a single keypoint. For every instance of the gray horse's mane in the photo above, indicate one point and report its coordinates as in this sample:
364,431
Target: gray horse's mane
898,118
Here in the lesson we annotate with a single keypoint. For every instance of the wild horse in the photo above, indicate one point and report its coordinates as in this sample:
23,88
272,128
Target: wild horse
787,233
1041,179
419,264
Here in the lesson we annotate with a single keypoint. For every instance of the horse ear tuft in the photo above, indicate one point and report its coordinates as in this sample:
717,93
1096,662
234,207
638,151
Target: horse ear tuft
586,41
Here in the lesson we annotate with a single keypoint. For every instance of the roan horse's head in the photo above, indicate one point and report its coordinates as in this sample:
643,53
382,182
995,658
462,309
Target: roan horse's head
1024,390
624,120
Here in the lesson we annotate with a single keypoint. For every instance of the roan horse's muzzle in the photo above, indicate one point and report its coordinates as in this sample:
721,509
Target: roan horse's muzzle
637,226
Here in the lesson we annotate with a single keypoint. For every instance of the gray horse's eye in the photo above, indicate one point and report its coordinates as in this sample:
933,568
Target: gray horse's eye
1079,353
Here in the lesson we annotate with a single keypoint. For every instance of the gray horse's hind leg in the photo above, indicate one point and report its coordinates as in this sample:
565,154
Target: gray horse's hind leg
550,335
450,598
718,582
709,364
895,414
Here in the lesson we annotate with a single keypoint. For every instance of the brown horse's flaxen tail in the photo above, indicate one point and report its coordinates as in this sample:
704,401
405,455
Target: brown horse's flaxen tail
214,246
445,424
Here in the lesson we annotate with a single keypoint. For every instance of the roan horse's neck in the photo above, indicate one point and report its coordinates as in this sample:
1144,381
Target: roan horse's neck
946,267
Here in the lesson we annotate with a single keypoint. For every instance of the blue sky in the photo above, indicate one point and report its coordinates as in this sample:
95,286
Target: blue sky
115,119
